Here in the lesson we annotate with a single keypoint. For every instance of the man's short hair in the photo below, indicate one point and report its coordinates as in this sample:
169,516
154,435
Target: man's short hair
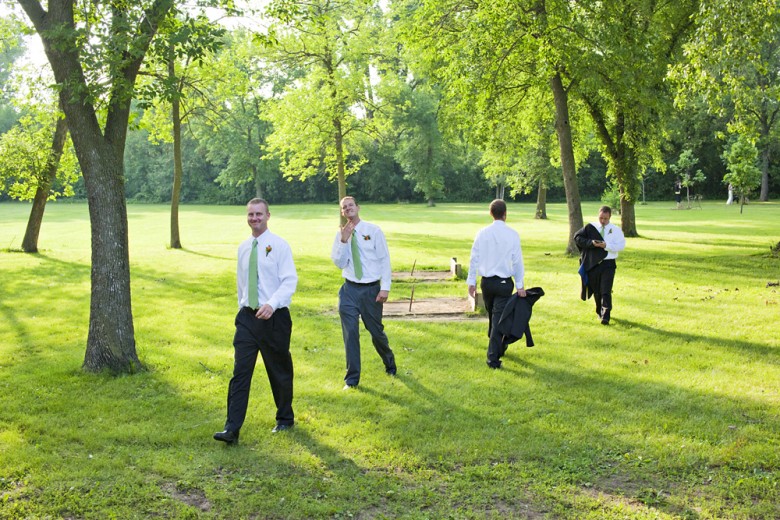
258,200
348,197
498,209
606,209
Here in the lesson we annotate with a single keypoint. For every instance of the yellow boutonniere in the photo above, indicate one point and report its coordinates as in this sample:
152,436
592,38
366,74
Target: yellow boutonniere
366,237
268,249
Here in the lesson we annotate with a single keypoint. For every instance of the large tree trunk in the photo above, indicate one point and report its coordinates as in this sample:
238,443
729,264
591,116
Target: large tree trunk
563,130
111,339
177,166
30,242
541,202
628,217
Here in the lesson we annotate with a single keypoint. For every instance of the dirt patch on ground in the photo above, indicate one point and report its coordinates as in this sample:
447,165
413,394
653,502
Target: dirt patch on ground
452,309
191,497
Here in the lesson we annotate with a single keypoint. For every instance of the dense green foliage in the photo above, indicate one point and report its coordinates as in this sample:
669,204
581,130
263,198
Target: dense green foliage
669,413
426,114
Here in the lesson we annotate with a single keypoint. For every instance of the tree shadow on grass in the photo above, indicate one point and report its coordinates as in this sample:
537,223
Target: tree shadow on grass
663,336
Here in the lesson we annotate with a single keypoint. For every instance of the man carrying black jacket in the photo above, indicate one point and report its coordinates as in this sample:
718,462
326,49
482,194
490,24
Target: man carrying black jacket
599,244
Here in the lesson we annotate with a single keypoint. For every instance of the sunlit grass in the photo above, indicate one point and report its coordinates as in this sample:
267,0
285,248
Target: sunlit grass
670,412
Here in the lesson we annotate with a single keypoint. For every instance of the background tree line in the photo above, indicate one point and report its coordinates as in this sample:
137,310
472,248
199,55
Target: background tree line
413,145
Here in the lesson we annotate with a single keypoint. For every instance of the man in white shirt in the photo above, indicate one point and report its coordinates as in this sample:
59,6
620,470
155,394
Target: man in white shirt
360,251
266,280
497,257
600,254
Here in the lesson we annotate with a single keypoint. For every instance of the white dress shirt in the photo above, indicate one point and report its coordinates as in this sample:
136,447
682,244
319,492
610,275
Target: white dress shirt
374,255
613,237
496,252
277,278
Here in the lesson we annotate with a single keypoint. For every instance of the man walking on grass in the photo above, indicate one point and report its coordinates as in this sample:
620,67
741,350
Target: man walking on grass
599,244
497,256
266,280
360,251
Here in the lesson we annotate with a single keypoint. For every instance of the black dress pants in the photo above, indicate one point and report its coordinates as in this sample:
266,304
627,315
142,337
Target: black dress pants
600,280
496,291
271,338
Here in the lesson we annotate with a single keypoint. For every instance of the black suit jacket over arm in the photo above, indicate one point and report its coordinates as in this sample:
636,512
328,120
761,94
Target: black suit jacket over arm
515,320
590,255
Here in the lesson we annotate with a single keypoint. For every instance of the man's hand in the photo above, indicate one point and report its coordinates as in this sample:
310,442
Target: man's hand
521,292
599,243
382,296
264,312
346,231
473,291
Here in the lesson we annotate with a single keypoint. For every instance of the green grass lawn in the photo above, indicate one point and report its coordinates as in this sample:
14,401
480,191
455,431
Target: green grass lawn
673,411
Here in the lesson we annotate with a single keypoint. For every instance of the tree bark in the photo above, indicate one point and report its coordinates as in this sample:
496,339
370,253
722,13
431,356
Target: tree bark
563,130
628,217
622,163
177,165
541,202
111,339
340,168
30,242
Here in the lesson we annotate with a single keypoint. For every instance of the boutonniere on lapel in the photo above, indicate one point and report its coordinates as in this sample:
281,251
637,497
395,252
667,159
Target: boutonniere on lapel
609,232
366,237
268,249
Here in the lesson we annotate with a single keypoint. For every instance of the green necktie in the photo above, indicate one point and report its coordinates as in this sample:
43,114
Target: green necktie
252,282
601,231
358,267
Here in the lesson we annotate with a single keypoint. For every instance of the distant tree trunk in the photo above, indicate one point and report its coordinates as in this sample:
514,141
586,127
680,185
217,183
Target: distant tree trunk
30,242
541,202
431,202
177,166
563,130
765,157
255,173
623,165
258,185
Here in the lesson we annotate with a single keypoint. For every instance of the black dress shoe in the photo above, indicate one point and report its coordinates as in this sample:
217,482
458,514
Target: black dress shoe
227,436
281,427
494,366
391,371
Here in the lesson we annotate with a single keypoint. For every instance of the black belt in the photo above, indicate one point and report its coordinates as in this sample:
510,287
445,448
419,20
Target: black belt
254,311
367,284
